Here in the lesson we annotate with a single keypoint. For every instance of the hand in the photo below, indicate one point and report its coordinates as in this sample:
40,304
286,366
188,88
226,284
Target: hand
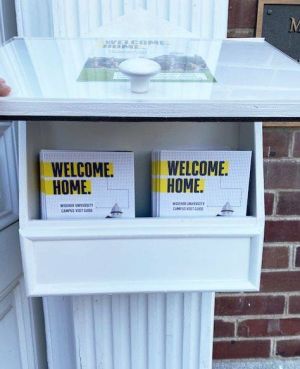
4,89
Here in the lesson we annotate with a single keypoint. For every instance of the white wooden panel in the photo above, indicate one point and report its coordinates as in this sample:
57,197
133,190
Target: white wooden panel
34,18
22,344
71,18
10,257
10,356
89,14
66,18
138,329
60,333
109,264
207,329
8,174
144,331
8,23
21,341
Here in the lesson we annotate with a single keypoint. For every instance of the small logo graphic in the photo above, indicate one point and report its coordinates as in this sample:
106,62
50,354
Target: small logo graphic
226,210
115,212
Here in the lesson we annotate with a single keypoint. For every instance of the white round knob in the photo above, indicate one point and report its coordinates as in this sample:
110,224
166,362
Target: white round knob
139,70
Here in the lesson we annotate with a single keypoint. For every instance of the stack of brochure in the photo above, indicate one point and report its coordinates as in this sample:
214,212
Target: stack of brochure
79,184
200,183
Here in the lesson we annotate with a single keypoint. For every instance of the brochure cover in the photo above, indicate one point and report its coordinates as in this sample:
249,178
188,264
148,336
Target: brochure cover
200,183
79,184
177,58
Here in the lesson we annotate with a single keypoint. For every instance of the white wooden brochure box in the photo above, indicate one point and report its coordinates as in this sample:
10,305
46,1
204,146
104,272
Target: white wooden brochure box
117,258
144,254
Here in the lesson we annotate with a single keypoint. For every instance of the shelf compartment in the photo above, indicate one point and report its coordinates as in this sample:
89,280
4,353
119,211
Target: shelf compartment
143,254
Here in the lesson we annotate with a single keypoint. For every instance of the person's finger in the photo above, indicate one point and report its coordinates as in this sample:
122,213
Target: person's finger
2,80
4,90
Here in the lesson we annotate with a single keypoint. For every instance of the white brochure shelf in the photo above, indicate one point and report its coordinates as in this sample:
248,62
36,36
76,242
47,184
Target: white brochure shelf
143,254
122,257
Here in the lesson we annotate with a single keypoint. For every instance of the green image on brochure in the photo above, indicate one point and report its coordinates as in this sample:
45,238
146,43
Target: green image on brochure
178,61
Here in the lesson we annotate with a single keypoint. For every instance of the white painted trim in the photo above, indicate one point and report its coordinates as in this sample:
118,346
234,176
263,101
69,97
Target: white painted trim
9,176
153,109
19,14
99,234
207,329
2,30
22,173
10,258
92,229
34,18
7,20
30,338
34,289
84,331
59,332
24,328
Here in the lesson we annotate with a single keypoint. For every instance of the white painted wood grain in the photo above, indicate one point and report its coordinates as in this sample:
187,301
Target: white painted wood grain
143,331
73,18
22,342
253,109
59,318
8,23
102,307
8,174
139,330
34,18
10,257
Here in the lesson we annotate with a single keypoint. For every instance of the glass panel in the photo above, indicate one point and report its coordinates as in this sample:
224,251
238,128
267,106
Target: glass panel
191,69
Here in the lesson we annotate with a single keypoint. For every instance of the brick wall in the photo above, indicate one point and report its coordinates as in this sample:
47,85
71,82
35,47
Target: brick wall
267,324
242,18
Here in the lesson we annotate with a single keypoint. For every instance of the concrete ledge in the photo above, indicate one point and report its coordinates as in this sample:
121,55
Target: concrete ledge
257,364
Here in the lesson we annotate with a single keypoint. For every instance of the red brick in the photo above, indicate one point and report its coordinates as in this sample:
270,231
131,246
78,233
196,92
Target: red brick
275,257
288,348
280,281
282,231
242,14
294,305
249,305
296,152
276,143
223,329
297,261
282,174
241,349
269,201
288,203
269,327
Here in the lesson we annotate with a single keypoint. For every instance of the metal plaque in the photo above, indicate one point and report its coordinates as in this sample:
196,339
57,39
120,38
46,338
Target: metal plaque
279,24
